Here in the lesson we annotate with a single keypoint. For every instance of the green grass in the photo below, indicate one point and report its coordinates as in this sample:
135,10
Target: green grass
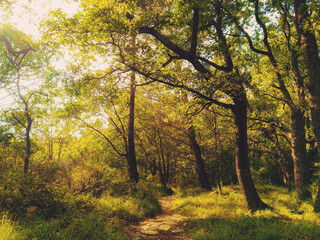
82,227
9,230
252,228
213,215
32,209
85,218
224,216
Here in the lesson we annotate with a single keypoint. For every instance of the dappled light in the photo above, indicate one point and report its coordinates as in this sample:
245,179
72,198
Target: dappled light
159,119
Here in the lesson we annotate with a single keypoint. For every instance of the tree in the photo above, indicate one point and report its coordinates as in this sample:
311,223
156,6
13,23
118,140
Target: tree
131,152
304,15
165,127
17,66
107,104
158,133
308,43
189,39
202,173
233,88
296,104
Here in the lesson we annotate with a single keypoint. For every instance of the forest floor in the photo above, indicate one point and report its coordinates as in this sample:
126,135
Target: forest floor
166,226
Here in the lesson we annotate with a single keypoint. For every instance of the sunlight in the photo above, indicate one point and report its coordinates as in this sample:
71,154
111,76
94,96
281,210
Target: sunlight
27,15
162,119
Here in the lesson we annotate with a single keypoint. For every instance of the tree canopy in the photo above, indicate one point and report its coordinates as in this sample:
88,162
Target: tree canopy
188,94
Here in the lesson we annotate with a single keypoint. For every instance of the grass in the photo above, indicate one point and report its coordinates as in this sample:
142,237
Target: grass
213,215
32,209
85,218
224,216
9,230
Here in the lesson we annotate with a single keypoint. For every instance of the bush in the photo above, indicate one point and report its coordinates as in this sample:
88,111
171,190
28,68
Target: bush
28,194
92,178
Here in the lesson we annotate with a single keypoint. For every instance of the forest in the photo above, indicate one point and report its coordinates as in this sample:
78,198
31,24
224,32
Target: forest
159,119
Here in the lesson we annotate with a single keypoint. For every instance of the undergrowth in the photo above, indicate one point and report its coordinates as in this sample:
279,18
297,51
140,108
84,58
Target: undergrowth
33,209
223,215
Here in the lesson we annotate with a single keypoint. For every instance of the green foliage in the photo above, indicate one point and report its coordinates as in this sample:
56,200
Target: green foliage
22,194
78,187
43,210
5,136
96,179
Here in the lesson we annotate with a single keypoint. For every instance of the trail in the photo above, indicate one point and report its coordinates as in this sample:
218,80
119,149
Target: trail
166,226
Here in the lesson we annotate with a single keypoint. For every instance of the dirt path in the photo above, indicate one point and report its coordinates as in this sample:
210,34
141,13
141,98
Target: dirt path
166,226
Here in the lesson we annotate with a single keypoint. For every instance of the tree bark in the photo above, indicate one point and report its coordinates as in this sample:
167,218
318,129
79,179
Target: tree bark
28,143
299,153
163,164
217,138
131,153
309,46
201,170
312,60
248,189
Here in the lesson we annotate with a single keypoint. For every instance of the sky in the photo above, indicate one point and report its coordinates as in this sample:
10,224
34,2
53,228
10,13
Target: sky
27,16
28,21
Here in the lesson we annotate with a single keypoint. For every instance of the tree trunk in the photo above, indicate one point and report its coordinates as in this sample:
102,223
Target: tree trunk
131,154
201,170
312,60
28,145
299,153
50,148
163,169
282,161
317,202
216,138
168,166
248,189
154,167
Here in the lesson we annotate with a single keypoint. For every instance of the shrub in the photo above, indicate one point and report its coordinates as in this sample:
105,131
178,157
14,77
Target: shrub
29,194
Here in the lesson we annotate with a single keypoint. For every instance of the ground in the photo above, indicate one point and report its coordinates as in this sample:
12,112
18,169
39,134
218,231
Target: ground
166,226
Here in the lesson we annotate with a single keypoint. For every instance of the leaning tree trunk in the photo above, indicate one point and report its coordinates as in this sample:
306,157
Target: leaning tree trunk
201,170
248,189
131,153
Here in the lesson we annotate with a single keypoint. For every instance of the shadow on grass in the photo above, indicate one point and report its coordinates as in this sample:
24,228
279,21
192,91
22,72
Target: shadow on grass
245,228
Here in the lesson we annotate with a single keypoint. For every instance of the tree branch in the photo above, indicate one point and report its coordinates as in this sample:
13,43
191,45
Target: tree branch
12,51
176,49
194,36
197,93
21,123
221,68
166,42
102,134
